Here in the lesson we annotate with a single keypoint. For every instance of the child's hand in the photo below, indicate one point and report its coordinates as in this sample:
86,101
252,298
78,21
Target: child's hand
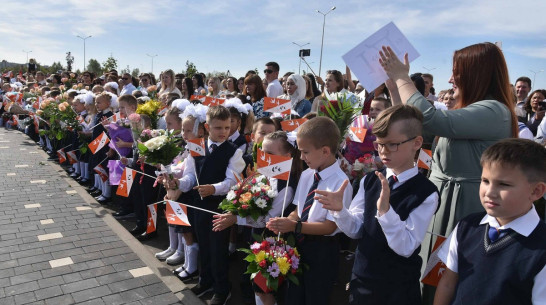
124,160
110,153
223,221
105,121
205,190
121,143
383,205
281,225
332,201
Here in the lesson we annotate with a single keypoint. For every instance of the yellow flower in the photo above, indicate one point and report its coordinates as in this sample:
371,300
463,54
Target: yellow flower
284,266
260,256
296,252
245,197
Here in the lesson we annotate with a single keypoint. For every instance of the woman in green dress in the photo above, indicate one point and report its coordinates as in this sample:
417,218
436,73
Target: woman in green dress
484,115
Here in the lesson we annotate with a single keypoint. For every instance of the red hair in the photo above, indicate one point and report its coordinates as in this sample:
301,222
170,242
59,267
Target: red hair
480,73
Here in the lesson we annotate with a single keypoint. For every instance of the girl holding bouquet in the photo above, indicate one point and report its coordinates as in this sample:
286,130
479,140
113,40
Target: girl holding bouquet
182,238
277,143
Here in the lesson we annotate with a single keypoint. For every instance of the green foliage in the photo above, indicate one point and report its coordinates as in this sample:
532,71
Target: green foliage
94,67
135,72
110,63
341,111
191,69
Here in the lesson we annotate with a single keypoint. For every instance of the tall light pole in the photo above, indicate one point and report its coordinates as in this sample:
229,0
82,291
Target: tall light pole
301,46
535,74
152,56
84,39
322,43
27,54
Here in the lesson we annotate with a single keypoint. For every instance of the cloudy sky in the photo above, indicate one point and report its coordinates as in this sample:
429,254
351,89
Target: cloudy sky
239,35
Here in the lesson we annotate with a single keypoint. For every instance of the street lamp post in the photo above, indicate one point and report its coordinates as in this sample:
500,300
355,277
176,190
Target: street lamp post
152,56
84,39
301,46
27,54
322,43
535,74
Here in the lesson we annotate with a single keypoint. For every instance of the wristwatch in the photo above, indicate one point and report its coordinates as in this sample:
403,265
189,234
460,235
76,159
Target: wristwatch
297,230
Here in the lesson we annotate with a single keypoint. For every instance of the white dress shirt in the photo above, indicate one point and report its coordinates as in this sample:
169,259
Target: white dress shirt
127,89
523,225
274,89
187,179
236,165
331,179
275,210
403,237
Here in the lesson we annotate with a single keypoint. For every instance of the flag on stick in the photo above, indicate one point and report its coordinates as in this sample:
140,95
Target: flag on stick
277,105
357,134
425,159
127,178
435,267
101,171
72,158
99,142
273,166
177,213
62,155
196,147
292,125
211,101
198,97
152,218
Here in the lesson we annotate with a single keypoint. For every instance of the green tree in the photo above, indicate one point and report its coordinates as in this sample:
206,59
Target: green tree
125,70
110,63
190,69
56,66
135,72
94,67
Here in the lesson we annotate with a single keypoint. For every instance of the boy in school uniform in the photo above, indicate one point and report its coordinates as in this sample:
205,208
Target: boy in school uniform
315,229
499,257
215,175
389,215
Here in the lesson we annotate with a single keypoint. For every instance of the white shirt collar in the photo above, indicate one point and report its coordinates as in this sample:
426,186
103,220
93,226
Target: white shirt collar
523,225
234,136
211,142
329,171
403,176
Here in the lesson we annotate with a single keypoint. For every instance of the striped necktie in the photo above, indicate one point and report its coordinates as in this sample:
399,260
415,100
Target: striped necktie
310,199
392,180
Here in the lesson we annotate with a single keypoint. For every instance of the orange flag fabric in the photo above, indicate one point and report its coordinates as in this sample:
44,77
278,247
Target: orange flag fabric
277,105
177,213
292,125
357,134
273,166
62,155
196,147
99,142
126,182
101,171
211,101
152,218
425,159
435,267
72,158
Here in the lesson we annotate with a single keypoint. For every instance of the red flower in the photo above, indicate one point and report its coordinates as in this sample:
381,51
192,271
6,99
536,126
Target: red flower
293,270
263,264
265,245
244,206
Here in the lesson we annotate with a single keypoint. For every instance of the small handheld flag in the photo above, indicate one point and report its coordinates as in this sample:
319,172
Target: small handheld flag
211,101
62,155
126,182
425,159
72,158
277,105
357,134
273,166
435,267
196,147
292,125
152,218
101,171
177,213
99,142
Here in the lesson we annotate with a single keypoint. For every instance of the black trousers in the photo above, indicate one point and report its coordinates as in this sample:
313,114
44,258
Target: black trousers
213,252
148,195
376,292
316,282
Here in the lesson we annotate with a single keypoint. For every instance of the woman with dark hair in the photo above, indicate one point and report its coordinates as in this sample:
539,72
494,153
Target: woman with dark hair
314,87
187,88
240,85
198,84
55,80
255,93
483,115
231,85
333,89
535,113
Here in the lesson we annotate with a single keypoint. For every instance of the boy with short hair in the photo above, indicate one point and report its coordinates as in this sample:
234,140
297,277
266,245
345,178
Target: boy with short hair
216,175
315,229
389,215
499,257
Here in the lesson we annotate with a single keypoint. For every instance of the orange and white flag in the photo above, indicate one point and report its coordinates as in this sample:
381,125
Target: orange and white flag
15,120
72,158
152,218
292,125
435,267
80,119
62,155
425,159
177,213
99,142
277,105
357,134
211,101
200,98
126,182
196,147
116,117
101,171
273,166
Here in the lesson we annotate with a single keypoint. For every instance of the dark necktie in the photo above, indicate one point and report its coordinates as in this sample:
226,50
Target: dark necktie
213,147
308,204
494,234
392,180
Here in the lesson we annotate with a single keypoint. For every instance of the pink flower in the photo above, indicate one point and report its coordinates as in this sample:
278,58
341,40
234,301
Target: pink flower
134,117
244,206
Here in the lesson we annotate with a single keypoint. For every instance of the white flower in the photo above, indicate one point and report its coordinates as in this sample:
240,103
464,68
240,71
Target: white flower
155,133
358,166
272,193
231,195
261,203
256,189
156,143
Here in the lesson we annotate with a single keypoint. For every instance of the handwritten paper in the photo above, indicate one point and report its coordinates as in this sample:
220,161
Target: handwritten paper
363,60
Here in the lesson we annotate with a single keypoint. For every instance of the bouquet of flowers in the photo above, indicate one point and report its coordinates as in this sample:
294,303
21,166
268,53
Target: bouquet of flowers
363,165
342,111
161,149
271,261
121,129
145,135
61,117
135,124
152,91
150,108
252,197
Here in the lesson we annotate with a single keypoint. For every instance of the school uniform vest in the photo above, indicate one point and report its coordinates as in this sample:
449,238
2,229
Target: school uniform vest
498,273
98,118
212,169
375,260
241,140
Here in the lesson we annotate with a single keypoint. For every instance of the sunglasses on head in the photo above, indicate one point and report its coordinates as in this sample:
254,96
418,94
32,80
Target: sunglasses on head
268,71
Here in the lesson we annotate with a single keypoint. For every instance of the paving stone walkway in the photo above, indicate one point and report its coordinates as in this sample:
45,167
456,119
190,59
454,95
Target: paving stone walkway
58,246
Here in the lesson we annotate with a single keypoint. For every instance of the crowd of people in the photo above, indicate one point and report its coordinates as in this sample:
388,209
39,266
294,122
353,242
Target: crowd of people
486,181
